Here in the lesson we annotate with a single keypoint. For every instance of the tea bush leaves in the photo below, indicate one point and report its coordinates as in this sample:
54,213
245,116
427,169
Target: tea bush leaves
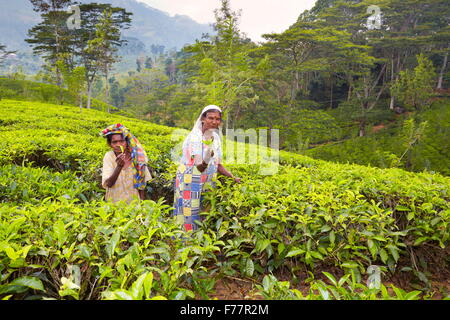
60,240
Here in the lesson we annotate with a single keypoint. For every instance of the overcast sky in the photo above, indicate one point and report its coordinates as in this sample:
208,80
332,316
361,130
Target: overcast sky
258,16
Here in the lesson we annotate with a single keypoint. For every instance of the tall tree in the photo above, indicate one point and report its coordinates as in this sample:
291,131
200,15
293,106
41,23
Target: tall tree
51,37
409,28
102,50
440,37
74,79
108,40
415,88
222,68
443,68
329,44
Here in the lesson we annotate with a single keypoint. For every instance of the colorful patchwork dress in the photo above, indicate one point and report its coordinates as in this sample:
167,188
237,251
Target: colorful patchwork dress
190,183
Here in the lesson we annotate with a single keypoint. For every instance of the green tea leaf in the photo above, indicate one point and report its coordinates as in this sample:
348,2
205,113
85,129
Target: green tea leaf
295,252
332,237
331,278
394,252
148,283
373,248
112,244
249,267
261,245
29,282
383,255
316,255
413,295
11,253
137,288
59,230
420,240
281,247
349,264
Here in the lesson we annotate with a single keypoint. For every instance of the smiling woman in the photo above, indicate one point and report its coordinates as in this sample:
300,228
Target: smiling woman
200,162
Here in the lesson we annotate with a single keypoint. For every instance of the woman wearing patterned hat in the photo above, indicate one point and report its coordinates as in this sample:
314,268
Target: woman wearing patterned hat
125,172
200,162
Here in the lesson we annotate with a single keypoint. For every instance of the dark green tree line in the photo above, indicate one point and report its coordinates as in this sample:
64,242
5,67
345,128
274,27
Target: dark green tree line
338,70
93,45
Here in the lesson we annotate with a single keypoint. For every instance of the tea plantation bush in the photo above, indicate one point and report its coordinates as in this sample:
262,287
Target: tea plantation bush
60,240
430,153
35,91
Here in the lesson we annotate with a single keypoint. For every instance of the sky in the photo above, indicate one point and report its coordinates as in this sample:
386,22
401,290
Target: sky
257,16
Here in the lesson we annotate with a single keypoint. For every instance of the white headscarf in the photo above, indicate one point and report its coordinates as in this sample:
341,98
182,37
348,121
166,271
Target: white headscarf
198,124
196,133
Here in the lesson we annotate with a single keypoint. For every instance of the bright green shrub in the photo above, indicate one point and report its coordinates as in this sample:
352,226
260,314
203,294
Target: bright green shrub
33,185
345,215
58,240
35,91
379,149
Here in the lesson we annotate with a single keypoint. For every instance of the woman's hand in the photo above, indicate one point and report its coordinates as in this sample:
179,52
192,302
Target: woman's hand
120,160
221,169
209,153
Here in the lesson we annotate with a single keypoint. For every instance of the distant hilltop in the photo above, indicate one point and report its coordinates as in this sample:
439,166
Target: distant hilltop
149,26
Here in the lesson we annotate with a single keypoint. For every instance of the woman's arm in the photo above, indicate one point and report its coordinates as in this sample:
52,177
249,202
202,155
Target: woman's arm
201,167
223,171
202,163
111,181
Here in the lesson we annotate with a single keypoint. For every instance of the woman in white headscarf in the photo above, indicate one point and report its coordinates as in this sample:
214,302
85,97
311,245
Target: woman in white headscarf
200,162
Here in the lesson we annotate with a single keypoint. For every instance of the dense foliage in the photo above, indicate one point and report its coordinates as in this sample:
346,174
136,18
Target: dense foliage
59,239
329,78
328,60
342,68
347,82
34,91
385,148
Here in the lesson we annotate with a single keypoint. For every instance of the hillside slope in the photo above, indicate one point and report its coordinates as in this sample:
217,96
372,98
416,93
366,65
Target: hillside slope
150,25
310,217
381,148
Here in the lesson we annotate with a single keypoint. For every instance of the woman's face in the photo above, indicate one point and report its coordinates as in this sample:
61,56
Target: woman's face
116,142
212,120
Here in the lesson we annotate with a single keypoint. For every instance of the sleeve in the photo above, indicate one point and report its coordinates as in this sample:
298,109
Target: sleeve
108,168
